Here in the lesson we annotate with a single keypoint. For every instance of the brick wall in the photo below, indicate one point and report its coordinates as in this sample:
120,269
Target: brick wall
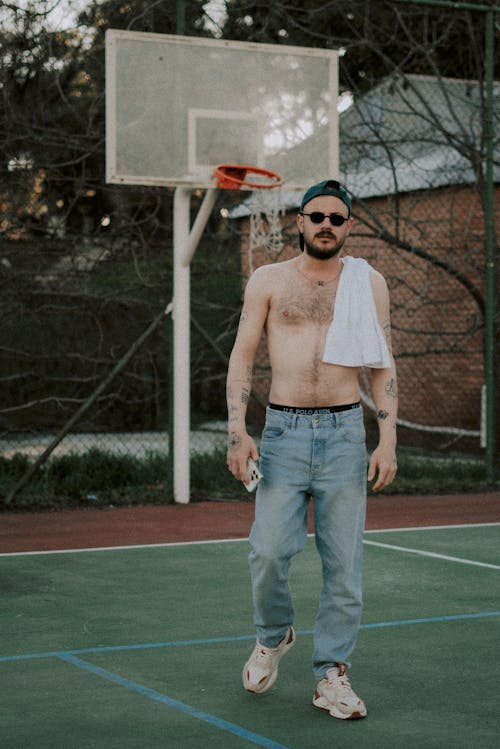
437,317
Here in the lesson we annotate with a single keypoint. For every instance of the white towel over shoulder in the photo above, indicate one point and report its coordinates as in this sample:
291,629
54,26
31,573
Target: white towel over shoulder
355,338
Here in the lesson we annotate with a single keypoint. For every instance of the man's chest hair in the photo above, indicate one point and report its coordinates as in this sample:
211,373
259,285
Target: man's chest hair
298,307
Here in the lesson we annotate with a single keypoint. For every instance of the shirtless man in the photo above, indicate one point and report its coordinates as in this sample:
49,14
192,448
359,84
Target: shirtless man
313,444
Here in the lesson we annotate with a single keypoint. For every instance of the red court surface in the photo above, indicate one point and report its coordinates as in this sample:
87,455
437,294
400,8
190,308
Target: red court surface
202,521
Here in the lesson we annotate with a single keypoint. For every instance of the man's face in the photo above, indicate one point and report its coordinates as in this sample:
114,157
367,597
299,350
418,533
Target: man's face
324,240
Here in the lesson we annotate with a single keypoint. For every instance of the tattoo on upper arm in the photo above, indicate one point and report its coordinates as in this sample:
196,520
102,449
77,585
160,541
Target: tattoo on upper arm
243,316
245,395
386,327
382,414
391,387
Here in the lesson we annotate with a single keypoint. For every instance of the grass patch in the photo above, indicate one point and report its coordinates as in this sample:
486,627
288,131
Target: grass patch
211,479
100,478
439,475
94,478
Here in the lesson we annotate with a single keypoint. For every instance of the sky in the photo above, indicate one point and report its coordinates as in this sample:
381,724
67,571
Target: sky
63,13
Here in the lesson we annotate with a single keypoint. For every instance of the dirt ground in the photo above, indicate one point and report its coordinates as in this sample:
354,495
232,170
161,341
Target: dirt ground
201,521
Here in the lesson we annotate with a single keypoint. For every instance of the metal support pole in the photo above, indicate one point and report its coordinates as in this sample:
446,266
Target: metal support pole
199,225
181,348
185,244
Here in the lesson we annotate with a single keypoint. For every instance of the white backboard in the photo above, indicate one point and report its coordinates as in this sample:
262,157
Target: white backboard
178,106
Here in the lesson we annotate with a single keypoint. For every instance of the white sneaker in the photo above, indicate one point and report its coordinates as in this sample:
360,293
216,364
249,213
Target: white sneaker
261,669
335,694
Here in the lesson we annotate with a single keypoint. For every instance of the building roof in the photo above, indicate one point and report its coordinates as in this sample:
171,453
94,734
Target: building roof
413,133
409,133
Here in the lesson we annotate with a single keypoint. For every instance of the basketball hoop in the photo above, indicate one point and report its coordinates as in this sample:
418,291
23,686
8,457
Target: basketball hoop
264,203
234,177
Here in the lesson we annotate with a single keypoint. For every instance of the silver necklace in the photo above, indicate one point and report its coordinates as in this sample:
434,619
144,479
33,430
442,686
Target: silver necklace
320,282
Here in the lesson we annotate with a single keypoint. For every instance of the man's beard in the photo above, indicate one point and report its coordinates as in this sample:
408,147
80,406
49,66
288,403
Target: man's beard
318,254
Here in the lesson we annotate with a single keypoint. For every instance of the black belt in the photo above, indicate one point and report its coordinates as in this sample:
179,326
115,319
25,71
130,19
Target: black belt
312,411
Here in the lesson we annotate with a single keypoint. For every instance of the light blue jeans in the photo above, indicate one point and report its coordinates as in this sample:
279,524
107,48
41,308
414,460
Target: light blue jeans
324,456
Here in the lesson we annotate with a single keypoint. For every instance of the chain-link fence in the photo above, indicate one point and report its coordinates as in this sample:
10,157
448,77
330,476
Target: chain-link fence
78,297
89,340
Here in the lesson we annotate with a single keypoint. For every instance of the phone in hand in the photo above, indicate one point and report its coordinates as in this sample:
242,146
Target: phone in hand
254,475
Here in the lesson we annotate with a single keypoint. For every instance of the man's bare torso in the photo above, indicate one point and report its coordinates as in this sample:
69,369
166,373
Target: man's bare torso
299,315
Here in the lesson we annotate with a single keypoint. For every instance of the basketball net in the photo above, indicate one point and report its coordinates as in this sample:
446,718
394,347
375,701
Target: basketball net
266,211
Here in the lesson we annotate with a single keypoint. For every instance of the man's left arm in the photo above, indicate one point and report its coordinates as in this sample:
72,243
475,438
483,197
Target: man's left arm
383,464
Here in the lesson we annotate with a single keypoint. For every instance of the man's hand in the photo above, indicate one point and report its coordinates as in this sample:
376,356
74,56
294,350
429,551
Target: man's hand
240,447
384,461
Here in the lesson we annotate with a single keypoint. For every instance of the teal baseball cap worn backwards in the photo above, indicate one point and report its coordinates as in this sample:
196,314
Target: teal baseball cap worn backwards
327,187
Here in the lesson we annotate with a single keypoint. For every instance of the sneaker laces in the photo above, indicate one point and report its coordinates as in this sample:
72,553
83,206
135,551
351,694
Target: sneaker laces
263,655
338,678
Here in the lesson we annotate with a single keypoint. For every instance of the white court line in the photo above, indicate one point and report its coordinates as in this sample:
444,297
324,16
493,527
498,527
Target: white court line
433,555
167,544
432,527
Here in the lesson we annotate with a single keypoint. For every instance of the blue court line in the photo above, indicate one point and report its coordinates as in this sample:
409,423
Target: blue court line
119,648
236,638
192,712
431,620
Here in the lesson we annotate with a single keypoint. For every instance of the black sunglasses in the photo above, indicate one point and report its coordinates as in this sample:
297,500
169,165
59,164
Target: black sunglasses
317,218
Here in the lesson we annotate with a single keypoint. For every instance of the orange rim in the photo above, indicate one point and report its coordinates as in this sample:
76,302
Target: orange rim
234,176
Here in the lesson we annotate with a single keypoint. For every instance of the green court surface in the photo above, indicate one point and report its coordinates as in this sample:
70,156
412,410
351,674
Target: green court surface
143,647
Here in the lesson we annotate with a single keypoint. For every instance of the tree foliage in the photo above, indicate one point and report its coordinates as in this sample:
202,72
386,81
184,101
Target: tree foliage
52,85
95,253
379,37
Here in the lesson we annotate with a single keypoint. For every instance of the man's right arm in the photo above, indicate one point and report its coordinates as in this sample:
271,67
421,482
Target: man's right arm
239,376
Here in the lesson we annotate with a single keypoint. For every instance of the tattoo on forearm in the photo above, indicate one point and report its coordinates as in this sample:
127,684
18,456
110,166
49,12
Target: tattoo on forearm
234,441
382,414
238,392
391,388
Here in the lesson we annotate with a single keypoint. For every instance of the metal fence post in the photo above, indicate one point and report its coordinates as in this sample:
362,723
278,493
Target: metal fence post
491,262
